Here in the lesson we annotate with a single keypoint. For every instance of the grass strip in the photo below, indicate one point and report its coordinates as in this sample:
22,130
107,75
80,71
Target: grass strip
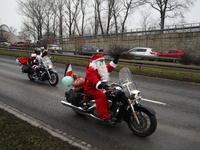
146,71
18,134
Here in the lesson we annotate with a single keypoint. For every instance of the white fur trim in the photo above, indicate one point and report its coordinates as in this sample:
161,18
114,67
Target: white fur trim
98,83
102,58
113,64
18,62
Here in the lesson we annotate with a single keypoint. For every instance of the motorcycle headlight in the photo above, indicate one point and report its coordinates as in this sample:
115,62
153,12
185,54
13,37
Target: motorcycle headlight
135,93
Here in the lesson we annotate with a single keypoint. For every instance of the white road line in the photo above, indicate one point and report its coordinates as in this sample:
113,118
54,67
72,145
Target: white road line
152,101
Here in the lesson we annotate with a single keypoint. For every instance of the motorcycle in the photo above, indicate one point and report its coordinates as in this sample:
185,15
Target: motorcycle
45,72
123,98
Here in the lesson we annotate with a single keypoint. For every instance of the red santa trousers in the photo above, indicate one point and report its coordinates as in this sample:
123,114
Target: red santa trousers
101,103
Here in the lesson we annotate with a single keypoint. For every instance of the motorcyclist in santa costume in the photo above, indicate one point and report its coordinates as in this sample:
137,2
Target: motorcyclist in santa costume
96,72
36,58
33,59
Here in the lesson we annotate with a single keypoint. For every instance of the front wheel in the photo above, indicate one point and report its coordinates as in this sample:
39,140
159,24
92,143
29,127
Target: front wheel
54,79
30,76
147,125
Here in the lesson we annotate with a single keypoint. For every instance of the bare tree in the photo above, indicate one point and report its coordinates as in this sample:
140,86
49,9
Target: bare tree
34,13
72,11
170,8
54,18
48,10
83,12
129,5
59,12
13,30
146,19
98,4
117,9
109,13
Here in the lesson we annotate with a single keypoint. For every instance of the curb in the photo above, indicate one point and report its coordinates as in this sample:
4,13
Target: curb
51,130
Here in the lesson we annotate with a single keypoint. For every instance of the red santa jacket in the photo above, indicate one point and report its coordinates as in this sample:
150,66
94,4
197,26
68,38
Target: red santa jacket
93,77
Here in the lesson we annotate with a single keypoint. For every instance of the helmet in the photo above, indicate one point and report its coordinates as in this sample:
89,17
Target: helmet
37,51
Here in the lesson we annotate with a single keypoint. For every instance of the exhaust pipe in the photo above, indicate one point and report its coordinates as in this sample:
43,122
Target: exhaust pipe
72,106
81,109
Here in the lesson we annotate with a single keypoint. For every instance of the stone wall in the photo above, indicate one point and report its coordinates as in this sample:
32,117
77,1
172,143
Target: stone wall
189,42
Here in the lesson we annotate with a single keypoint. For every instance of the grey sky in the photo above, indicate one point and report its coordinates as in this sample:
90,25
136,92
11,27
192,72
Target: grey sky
10,17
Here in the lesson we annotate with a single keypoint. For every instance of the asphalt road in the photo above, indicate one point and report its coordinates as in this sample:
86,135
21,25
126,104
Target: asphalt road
177,105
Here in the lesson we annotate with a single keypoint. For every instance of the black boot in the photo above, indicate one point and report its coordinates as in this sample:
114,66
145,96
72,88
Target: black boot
109,121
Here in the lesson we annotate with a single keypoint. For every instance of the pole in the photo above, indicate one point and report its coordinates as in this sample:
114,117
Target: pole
33,21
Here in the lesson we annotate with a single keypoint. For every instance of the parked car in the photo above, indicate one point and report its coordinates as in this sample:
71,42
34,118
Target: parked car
4,44
19,44
53,48
175,53
87,50
141,52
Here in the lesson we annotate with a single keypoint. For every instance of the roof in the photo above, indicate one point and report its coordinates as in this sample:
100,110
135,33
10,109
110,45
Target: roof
5,28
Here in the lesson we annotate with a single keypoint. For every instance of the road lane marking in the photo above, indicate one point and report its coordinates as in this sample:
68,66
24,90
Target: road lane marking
152,101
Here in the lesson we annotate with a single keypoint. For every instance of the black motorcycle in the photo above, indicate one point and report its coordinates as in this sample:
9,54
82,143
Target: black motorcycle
123,100
45,71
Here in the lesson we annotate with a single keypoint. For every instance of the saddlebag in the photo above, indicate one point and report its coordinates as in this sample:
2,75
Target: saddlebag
26,69
74,97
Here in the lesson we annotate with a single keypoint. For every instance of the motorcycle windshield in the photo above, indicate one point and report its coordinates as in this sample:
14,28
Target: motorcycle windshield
126,81
47,62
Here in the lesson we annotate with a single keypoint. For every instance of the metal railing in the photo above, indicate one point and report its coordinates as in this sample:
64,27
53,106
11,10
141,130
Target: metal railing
141,64
179,28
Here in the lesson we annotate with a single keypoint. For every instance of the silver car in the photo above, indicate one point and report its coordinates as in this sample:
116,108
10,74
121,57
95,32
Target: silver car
142,51
54,48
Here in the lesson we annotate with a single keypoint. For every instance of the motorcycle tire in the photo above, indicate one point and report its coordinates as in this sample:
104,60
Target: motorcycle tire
54,79
148,123
30,76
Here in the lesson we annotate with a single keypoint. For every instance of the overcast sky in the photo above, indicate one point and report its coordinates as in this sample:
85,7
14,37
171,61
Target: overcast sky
10,17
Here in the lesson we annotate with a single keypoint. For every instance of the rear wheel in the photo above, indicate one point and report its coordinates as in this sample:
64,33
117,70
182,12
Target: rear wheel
147,123
54,79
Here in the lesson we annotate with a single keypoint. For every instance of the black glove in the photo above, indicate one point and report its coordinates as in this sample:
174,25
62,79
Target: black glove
103,86
116,58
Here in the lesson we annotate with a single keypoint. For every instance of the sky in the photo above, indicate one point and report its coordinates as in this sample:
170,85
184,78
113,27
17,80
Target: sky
10,16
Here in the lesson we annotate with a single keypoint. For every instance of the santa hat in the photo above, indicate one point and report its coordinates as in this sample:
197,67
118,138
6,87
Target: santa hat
68,70
95,58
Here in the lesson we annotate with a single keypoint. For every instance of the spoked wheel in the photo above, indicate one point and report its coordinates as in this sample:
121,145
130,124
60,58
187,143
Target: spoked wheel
30,76
147,124
54,79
